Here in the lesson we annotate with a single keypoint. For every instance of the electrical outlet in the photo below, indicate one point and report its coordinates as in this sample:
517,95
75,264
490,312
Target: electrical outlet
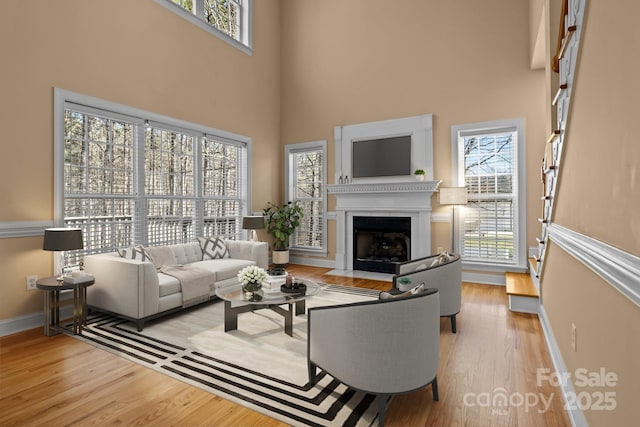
31,282
574,336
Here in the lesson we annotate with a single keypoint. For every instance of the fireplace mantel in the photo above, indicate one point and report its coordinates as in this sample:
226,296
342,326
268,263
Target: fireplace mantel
410,199
427,187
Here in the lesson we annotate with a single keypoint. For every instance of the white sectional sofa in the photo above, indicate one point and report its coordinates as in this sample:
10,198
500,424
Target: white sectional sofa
137,290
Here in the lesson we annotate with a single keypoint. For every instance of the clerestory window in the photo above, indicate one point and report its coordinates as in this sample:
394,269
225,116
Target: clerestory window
227,19
489,162
128,177
305,180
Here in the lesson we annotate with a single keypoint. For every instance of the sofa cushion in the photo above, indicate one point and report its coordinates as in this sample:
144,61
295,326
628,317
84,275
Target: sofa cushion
225,268
187,252
213,248
167,285
137,253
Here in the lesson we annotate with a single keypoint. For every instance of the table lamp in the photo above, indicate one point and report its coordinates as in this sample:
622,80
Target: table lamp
253,223
453,196
62,240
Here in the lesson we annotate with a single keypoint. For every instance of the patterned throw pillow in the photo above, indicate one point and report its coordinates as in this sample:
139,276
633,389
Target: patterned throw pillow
138,253
213,248
413,291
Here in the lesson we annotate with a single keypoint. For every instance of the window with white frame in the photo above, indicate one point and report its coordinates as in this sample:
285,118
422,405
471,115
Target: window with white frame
487,161
227,19
128,180
306,171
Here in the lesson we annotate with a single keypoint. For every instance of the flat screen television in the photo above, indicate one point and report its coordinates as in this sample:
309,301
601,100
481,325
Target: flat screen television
381,157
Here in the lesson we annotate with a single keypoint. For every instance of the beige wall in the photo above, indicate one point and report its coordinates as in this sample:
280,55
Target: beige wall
599,195
135,53
464,62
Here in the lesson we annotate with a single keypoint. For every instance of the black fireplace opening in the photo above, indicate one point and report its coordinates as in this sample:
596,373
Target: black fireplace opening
379,243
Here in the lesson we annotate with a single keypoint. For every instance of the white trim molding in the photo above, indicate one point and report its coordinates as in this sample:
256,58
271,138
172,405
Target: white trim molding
23,228
566,387
34,320
420,128
619,268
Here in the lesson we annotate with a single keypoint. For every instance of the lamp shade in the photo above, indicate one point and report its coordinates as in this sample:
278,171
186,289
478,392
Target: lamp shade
252,223
62,239
453,196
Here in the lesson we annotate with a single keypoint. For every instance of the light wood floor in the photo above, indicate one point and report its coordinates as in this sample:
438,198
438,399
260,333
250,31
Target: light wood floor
59,380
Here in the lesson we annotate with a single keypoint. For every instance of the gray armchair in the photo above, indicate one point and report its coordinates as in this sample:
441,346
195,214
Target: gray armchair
446,276
382,347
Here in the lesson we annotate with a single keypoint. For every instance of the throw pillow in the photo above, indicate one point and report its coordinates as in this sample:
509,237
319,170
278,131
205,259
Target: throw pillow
413,291
443,258
138,253
213,248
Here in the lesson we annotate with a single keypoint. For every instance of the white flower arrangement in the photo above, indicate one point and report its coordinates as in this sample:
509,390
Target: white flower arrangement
252,274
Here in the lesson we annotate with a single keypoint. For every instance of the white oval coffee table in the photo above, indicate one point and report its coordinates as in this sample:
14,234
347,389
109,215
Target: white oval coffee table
235,302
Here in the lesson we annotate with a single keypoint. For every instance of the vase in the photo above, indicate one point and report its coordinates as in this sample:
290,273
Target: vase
251,288
280,257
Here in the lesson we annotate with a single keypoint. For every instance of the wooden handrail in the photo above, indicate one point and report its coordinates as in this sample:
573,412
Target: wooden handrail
555,62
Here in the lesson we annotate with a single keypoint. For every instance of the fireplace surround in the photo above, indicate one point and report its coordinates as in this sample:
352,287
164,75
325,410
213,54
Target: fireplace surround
384,196
410,200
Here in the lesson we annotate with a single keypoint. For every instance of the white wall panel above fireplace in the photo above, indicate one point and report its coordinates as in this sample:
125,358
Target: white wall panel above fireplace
419,128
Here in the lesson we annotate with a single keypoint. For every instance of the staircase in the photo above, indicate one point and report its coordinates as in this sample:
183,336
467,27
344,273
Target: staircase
523,289
522,292
564,63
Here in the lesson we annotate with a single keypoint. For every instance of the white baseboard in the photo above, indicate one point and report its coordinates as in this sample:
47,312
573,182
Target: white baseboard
313,262
566,387
485,278
29,321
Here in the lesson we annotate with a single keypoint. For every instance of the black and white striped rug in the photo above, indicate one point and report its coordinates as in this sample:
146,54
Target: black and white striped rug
257,365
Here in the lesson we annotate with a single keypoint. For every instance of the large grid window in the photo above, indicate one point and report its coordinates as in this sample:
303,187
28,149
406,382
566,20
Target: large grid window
488,167
169,177
222,186
127,181
305,184
99,192
229,18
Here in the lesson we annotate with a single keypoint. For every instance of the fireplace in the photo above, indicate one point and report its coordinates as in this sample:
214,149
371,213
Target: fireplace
382,196
379,243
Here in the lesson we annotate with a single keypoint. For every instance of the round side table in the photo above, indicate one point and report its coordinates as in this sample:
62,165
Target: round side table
52,288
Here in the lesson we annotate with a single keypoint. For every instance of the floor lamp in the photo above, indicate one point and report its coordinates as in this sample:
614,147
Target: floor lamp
453,196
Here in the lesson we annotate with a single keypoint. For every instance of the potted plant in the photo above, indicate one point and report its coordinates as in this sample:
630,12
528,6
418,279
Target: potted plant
281,222
419,173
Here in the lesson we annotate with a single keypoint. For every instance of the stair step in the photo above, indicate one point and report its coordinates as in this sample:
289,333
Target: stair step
522,293
520,284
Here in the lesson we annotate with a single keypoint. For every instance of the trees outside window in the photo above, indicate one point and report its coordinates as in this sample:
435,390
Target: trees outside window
227,19
305,176
488,165
126,180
